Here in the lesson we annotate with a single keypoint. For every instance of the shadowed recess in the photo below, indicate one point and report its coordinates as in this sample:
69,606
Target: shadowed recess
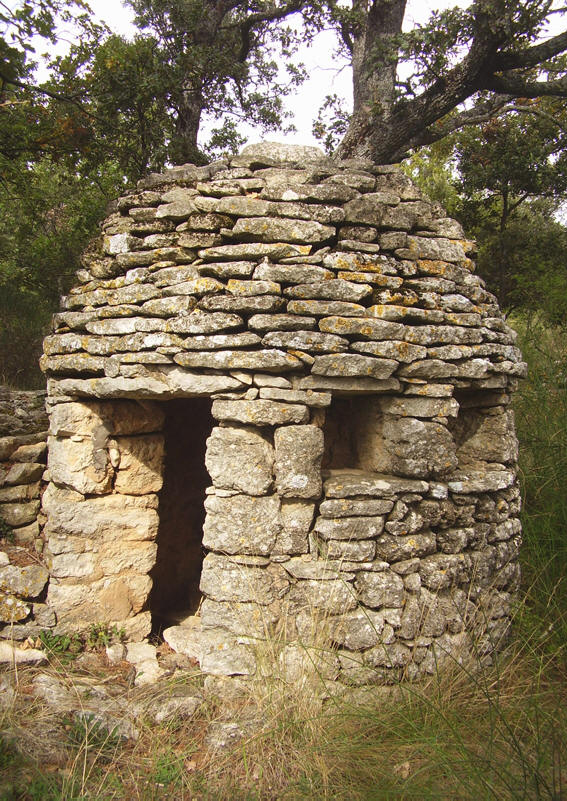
177,570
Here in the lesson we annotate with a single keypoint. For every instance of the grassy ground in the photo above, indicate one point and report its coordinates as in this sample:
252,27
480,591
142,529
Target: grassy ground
499,733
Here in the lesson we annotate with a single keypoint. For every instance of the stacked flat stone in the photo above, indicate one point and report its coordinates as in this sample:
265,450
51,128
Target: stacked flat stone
23,448
275,283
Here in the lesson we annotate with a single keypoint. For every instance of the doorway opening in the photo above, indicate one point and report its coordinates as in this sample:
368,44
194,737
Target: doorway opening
175,592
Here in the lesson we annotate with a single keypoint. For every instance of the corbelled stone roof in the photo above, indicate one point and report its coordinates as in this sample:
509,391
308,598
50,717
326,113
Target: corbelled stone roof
340,276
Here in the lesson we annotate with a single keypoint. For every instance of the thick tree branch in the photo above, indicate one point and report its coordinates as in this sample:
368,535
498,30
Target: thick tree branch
532,56
480,113
40,90
516,86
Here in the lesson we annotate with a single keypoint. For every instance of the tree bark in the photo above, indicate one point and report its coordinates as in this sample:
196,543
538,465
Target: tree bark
384,127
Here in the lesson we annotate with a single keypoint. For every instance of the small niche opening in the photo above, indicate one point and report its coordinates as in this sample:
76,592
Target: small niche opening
175,592
354,435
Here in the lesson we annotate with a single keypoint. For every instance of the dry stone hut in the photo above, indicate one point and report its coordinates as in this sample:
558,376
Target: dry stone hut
279,409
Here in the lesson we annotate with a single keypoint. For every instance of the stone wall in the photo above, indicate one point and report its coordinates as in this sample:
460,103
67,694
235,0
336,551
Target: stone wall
362,454
23,451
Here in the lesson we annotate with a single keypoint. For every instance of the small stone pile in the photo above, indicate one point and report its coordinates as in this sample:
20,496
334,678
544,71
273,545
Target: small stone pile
364,488
23,451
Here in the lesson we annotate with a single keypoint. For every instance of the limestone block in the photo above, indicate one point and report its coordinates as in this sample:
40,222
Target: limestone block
169,276
394,655
170,306
292,273
357,630
300,664
242,304
26,582
380,589
222,341
121,417
270,360
69,514
119,557
419,448
242,206
347,507
346,364
112,599
280,322
321,193
311,341
454,540
252,287
437,249
161,382
473,481
298,451
351,483
74,565
25,535
247,619
404,314
296,518
197,287
223,655
441,571
10,655
349,528
240,459
24,473
367,328
334,595
223,579
185,639
308,397
230,269
241,524
282,230
334,289
347,386
19,514
274,153
254,250
360,551
140,464
12,609
81,464
421,407
309,567
400,351
260,412
493,439
441,335
398,548
325,308
179,209
30,453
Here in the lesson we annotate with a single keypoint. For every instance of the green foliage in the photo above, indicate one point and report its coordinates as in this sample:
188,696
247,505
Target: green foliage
62,646
331,123
100,635
6,531
541,419
47,217
85,733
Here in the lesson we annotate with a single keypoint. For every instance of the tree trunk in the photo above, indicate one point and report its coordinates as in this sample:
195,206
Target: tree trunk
190,107
374,65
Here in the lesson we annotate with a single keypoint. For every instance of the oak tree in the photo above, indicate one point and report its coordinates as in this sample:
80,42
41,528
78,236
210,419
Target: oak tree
463,67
